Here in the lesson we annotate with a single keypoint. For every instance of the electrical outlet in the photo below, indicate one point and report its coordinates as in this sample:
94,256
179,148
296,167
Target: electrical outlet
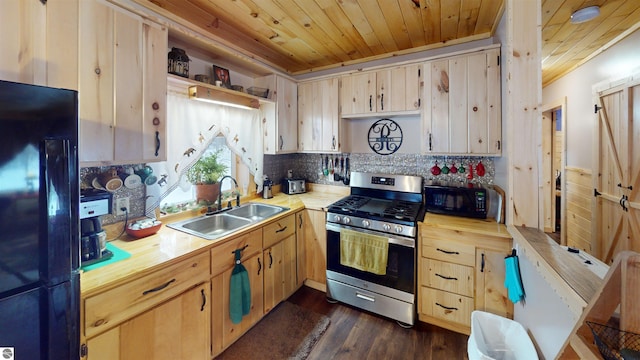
122,202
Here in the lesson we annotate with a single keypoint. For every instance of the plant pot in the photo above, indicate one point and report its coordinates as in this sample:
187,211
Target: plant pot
207,193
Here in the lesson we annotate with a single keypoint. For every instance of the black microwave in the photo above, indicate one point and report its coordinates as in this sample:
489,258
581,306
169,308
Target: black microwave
466,200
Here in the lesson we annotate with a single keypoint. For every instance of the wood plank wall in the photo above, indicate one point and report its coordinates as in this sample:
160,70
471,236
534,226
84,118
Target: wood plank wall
523,111
579,197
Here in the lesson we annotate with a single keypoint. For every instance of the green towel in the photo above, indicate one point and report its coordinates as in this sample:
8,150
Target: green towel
239,291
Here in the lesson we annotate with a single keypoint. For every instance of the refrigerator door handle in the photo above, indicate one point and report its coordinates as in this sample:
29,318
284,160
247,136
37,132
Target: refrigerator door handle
60,205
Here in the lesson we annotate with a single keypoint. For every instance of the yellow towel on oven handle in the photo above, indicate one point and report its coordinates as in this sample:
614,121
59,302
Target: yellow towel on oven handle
364,251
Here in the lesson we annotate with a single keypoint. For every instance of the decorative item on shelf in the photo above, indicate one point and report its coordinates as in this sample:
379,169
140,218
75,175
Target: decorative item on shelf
237,88
222,75
202,78
480,170
178,62
205,174
453,168
258,91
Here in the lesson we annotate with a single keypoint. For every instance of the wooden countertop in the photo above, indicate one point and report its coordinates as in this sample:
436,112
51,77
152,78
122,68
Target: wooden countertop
478,226
169,246
564,272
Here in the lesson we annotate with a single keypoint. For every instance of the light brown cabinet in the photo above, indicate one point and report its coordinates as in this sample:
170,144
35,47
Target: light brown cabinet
37,42
122,79
318,119
177,294
393,90
280,118
462,111
460,271
315,242
176,329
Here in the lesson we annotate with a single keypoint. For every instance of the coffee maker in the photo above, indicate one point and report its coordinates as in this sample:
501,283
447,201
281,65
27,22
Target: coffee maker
93,239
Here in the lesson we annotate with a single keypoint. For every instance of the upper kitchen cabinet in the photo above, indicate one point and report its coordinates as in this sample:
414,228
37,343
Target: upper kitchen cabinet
394,90
318,119
122,82
462,113
280,118
36,46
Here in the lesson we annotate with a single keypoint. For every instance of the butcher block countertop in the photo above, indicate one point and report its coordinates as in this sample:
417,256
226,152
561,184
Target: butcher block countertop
478,226
170,246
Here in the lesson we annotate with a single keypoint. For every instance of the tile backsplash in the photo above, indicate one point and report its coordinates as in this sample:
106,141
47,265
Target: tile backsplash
310,166
136,195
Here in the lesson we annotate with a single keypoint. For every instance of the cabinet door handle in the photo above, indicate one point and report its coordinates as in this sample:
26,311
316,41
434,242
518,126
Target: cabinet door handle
204,299
281,230
382,102
259,266
448,252
446,307
159,287
300,218
333,143
157,142
482,263
281,142
430,143
370,102
446,277
270,259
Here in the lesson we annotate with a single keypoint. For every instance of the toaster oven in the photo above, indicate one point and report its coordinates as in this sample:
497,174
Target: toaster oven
293,186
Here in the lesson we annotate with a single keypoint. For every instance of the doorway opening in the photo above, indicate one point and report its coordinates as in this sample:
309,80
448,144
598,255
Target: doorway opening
553,164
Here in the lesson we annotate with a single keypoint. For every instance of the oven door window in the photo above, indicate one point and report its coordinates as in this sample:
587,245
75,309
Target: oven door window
400,272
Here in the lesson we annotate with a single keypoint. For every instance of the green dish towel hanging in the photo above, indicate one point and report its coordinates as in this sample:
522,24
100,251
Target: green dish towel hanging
239,291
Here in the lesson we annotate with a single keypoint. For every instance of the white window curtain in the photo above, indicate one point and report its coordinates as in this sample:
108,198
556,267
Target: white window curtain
191,126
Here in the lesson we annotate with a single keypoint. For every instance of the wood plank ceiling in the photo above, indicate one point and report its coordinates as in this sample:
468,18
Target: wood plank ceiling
301,36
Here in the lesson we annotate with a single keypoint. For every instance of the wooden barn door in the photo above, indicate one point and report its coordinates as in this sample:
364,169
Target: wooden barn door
616,216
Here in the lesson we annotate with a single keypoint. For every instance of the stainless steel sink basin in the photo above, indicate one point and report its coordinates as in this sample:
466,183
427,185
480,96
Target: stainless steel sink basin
256,211
214,226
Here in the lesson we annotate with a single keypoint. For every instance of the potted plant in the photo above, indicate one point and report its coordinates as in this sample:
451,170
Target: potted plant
205,174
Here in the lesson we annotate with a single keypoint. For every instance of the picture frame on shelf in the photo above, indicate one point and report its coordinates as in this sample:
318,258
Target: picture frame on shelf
222,75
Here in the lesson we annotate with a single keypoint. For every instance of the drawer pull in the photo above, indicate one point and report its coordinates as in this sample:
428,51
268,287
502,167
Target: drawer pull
446,277
446,307
204,299
281,230
448,252
365,297
159,287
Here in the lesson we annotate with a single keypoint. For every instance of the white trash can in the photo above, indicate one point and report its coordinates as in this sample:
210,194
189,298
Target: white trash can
494,337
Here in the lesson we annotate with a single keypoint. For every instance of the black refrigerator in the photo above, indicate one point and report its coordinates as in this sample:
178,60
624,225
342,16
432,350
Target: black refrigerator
39,226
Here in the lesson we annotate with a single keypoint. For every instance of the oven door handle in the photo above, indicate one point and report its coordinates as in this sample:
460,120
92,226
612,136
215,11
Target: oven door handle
392,239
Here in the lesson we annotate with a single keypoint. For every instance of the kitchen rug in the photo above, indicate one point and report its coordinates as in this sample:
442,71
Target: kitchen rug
287,332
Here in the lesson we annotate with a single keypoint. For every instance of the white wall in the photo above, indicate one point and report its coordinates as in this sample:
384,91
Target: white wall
618,60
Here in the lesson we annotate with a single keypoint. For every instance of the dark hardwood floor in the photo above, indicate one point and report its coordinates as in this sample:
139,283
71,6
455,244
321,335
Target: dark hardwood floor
356,334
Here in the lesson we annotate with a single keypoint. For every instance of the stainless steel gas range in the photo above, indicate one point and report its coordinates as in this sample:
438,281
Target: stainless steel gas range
380,206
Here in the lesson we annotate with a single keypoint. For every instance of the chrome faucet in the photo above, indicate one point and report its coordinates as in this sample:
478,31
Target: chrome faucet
220,194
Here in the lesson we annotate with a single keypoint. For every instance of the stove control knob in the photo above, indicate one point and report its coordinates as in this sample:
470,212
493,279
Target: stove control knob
337,218
398,229
366,223
347,220
386,227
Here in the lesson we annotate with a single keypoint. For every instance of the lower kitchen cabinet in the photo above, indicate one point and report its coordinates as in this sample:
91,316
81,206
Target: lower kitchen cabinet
280,272
176,329
223,331
461,271
315,240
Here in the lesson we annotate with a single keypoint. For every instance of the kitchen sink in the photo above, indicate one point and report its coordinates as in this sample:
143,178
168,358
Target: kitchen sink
215,226
256,211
